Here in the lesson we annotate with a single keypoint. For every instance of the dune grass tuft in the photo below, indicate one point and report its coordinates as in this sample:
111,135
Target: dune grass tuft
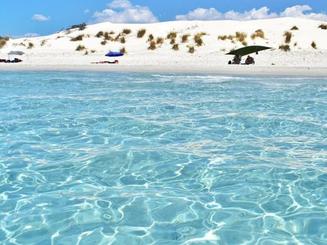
80,27
258,34
240,36
294,28
127,31
99,34
285,47
141,33
191,49
78,38
172,35
80,48
117,38
323,26
150,38
175,47
225,37
314,45
152,45
198,39
122,40
107,37
3,41
185,38
159,41
30,45
288,36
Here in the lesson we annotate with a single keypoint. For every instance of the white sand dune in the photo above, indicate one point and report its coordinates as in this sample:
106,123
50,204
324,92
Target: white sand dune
58,51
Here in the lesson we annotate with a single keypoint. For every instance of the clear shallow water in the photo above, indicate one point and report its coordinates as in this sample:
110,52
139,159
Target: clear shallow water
89,158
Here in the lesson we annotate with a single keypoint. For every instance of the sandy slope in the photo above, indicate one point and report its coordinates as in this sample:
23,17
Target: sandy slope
59,51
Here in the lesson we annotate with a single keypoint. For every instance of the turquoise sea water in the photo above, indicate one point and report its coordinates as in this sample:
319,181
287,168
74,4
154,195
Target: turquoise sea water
96,158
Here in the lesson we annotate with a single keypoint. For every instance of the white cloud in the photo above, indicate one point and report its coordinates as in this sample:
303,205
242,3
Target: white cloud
120,4
122,11
302,11
254,14
296,11
201,14
213,14
40,17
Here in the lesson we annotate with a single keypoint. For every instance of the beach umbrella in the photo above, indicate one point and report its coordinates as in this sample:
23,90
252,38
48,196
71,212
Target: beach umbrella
114,54
247,50
16,53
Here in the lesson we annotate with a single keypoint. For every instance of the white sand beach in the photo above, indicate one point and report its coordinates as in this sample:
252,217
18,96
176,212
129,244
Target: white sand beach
173,44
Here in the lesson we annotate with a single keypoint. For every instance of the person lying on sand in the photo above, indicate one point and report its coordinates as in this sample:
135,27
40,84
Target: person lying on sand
16,60
106,62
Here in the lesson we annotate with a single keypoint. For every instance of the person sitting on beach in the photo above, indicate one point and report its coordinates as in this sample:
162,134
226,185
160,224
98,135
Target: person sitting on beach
16,60
113,62
237,60
249,60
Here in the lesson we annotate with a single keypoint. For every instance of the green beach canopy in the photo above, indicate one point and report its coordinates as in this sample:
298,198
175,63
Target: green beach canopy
247,50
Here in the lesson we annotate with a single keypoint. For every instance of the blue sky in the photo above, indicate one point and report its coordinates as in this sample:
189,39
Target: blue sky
20,17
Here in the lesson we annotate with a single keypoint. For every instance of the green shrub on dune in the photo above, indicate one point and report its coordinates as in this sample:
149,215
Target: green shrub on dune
3,41
78,38
80,48
141,33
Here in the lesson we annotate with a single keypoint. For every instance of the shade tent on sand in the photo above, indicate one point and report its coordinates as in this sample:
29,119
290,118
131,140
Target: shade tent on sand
248,50
11,55
114,54
16,53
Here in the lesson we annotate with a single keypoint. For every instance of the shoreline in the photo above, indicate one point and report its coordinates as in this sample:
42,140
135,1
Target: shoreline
191,69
